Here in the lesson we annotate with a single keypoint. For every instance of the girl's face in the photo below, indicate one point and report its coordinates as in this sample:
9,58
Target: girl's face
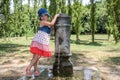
44,17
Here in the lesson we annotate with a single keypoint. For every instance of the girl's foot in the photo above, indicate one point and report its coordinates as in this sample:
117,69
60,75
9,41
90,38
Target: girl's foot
36,73
28,73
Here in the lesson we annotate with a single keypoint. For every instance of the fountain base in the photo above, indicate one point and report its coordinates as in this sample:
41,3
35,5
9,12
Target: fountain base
64,68
80,73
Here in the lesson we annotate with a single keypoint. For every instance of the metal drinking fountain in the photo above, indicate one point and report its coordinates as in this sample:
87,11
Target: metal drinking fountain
62,66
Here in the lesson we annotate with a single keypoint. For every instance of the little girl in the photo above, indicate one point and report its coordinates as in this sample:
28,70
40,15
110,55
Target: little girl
40,43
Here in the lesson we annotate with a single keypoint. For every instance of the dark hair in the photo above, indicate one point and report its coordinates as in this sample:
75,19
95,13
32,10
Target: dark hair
39,17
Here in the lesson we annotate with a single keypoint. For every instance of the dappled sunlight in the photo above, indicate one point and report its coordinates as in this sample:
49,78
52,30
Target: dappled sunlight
102,54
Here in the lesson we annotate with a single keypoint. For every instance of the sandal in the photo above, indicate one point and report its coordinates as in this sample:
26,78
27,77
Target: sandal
36,73
28,73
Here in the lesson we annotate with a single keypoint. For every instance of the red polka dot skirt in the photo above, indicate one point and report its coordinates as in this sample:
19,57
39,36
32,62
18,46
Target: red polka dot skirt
40,44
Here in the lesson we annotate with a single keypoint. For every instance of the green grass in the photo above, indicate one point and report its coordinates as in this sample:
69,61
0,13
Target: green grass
101,43
102,49
103,53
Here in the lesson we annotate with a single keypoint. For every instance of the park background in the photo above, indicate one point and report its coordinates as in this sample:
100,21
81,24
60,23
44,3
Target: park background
95,34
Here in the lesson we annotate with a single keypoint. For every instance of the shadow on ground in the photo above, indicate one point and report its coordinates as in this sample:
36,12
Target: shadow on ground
9,78
10,48
113,60
117,50
85,42
76,59
102,39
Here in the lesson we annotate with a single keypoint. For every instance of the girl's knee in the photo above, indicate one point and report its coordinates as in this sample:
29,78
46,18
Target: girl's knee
35,57
39,56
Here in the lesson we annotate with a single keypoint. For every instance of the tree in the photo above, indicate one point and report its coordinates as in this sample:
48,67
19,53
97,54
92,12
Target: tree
63,8
69,8
16,19
92,15
53,7
113,10
77,18
44,3
110,19
58,3
5,12
117,19
34,20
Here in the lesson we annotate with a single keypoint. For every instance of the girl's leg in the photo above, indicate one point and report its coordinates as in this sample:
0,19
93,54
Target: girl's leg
35,65
28,73
33,61
36,70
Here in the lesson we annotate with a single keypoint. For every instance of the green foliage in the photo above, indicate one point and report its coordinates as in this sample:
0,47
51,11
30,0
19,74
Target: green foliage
44,3
23,21
4,20
69,8
113,10
76,17
53,7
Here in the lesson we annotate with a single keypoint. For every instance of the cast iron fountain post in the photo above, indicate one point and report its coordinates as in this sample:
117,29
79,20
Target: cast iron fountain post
62,65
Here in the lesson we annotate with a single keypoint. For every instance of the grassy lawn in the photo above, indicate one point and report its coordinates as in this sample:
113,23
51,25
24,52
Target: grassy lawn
103,54
102,48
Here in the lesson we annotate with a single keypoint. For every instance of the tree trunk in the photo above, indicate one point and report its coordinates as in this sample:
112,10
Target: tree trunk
92,14
108,31
69,8
77,16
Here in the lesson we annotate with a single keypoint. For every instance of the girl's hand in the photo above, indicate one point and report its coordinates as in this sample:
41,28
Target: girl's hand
57,15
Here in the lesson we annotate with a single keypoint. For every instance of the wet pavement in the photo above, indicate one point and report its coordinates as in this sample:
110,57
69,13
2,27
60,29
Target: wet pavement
80,73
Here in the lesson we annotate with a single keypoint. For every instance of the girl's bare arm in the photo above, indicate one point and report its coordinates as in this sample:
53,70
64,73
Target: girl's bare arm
46,23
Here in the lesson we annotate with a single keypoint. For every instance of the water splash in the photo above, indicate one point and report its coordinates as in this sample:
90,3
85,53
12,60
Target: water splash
85,73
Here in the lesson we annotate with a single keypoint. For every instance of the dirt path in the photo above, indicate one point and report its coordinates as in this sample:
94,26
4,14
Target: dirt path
13,65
